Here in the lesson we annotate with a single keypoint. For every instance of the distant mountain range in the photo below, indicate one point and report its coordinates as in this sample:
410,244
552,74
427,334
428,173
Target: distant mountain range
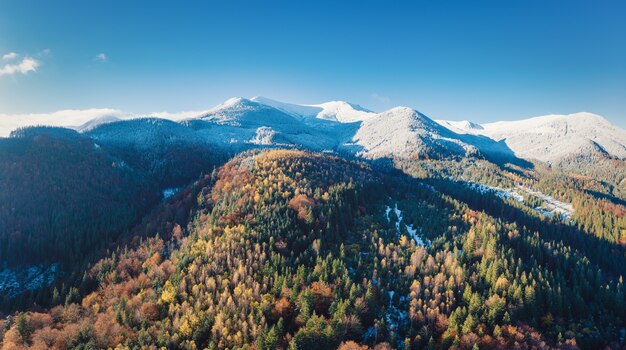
339,126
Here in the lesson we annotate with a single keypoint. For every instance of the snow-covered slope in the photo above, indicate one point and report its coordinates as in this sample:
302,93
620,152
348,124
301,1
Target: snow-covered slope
404,132
240,120
343,112
143,133
463,126
243,112
290,108
339,111
553,138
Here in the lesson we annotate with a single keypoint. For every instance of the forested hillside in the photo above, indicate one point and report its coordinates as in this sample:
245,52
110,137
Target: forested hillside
289,249
168,153
65,197
62,194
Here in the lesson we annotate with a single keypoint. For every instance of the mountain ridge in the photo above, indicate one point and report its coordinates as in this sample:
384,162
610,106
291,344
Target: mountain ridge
239,123
554,137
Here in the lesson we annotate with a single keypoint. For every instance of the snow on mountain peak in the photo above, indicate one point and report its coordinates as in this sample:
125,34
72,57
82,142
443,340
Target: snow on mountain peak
553,137
233,102
233,110
295,110
461,127
338,111
400,110
343,112
410,116
405,132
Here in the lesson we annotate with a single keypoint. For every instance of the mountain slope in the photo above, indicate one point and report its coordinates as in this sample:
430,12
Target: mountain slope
243,122
62,195
297,110
404,132
554,138
243,112
294,250
551,138
463,126
168,152
343,112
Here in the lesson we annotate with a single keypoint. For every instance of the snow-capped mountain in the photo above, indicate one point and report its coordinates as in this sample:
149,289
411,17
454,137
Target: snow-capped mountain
399,132
241,123
344,112
244,121
243,112
552,138
405,132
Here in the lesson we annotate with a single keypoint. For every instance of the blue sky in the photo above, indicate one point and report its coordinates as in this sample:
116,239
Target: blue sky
482,61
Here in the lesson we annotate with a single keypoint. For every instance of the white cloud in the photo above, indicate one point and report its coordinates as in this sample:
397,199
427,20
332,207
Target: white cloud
66,118
27,64
73,118
101,57
9,56
381,98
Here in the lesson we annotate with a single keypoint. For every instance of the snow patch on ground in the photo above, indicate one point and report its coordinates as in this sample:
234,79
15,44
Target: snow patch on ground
14,281
429,187
370,334
413,232
395,317
510,193
552,206
387,211
264,136
549,208
169,192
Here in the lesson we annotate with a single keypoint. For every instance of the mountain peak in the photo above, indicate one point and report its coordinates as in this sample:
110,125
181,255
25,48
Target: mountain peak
343,112
345,104
401,109
234,101
408,113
